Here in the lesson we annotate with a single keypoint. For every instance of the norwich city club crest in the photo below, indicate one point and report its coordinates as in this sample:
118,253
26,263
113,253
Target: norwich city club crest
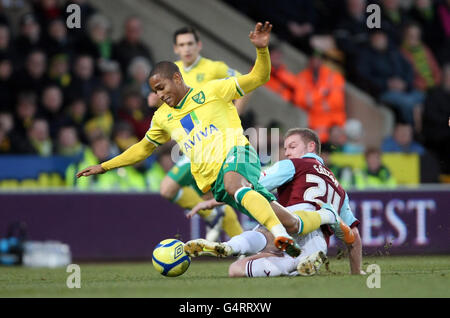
199,98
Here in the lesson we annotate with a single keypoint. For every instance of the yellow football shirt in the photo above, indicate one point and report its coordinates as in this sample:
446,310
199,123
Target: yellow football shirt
205,124
204,70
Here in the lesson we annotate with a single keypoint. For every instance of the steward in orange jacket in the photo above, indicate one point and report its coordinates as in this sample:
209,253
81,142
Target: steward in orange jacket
319,90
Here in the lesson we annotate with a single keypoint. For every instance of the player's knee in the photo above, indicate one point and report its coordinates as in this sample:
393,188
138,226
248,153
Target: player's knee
237,269
233,182
168,190
166,193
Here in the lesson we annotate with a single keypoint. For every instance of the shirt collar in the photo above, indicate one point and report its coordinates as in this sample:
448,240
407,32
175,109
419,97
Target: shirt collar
183,100
190,67
314,156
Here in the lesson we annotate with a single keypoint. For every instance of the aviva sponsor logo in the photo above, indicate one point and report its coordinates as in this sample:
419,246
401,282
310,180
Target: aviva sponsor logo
199,136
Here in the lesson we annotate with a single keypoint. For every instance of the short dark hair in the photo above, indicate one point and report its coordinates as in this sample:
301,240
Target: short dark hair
186,30
165,68
306,135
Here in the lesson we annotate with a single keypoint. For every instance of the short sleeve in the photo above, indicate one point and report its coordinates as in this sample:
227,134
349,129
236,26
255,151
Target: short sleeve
280,173
156,134
346,212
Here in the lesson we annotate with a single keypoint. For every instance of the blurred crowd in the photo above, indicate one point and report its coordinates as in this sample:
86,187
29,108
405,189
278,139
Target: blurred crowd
73,92
404,65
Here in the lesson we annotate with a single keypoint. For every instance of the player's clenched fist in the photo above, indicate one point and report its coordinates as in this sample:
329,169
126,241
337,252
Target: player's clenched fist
261,34
89,171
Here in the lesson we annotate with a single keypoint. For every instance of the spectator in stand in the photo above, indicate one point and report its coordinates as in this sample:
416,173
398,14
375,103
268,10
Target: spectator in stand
6,47
57,40
29,39
326,45
6,84
6,128
59,72
98,151
282,81
51,108
25,112
68,143
138,73
5,142
344,174
33,77
352,34
374,174
131,44
347,139
136,113
101,120
427,73
320,92
76,116
354,131
111,80
436,114
7,121
295,20
45,11
389,76
123,136
393,19
97,42
83,79
126,178
158,170
337,139
402,141
425,12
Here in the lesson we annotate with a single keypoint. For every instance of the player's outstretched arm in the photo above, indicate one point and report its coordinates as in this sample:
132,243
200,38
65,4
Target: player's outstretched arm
260,73
131,156
355,254
92,170
204,205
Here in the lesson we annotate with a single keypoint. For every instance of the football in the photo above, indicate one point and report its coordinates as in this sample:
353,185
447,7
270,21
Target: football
170,259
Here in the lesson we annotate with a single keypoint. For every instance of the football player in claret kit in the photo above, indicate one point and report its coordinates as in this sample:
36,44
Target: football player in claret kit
302,182
205,124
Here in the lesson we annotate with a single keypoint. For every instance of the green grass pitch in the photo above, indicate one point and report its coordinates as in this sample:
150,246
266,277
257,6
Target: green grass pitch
408,276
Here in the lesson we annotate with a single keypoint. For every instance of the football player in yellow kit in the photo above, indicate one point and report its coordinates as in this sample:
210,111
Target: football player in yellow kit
179,185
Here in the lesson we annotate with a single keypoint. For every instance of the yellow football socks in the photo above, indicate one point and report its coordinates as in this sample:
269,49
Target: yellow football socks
310,221
261,211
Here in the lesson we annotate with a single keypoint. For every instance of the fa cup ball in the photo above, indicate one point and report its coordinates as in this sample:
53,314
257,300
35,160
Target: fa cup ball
170,259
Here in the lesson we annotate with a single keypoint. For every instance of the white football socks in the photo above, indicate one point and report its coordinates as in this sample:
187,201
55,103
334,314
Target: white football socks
249,242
